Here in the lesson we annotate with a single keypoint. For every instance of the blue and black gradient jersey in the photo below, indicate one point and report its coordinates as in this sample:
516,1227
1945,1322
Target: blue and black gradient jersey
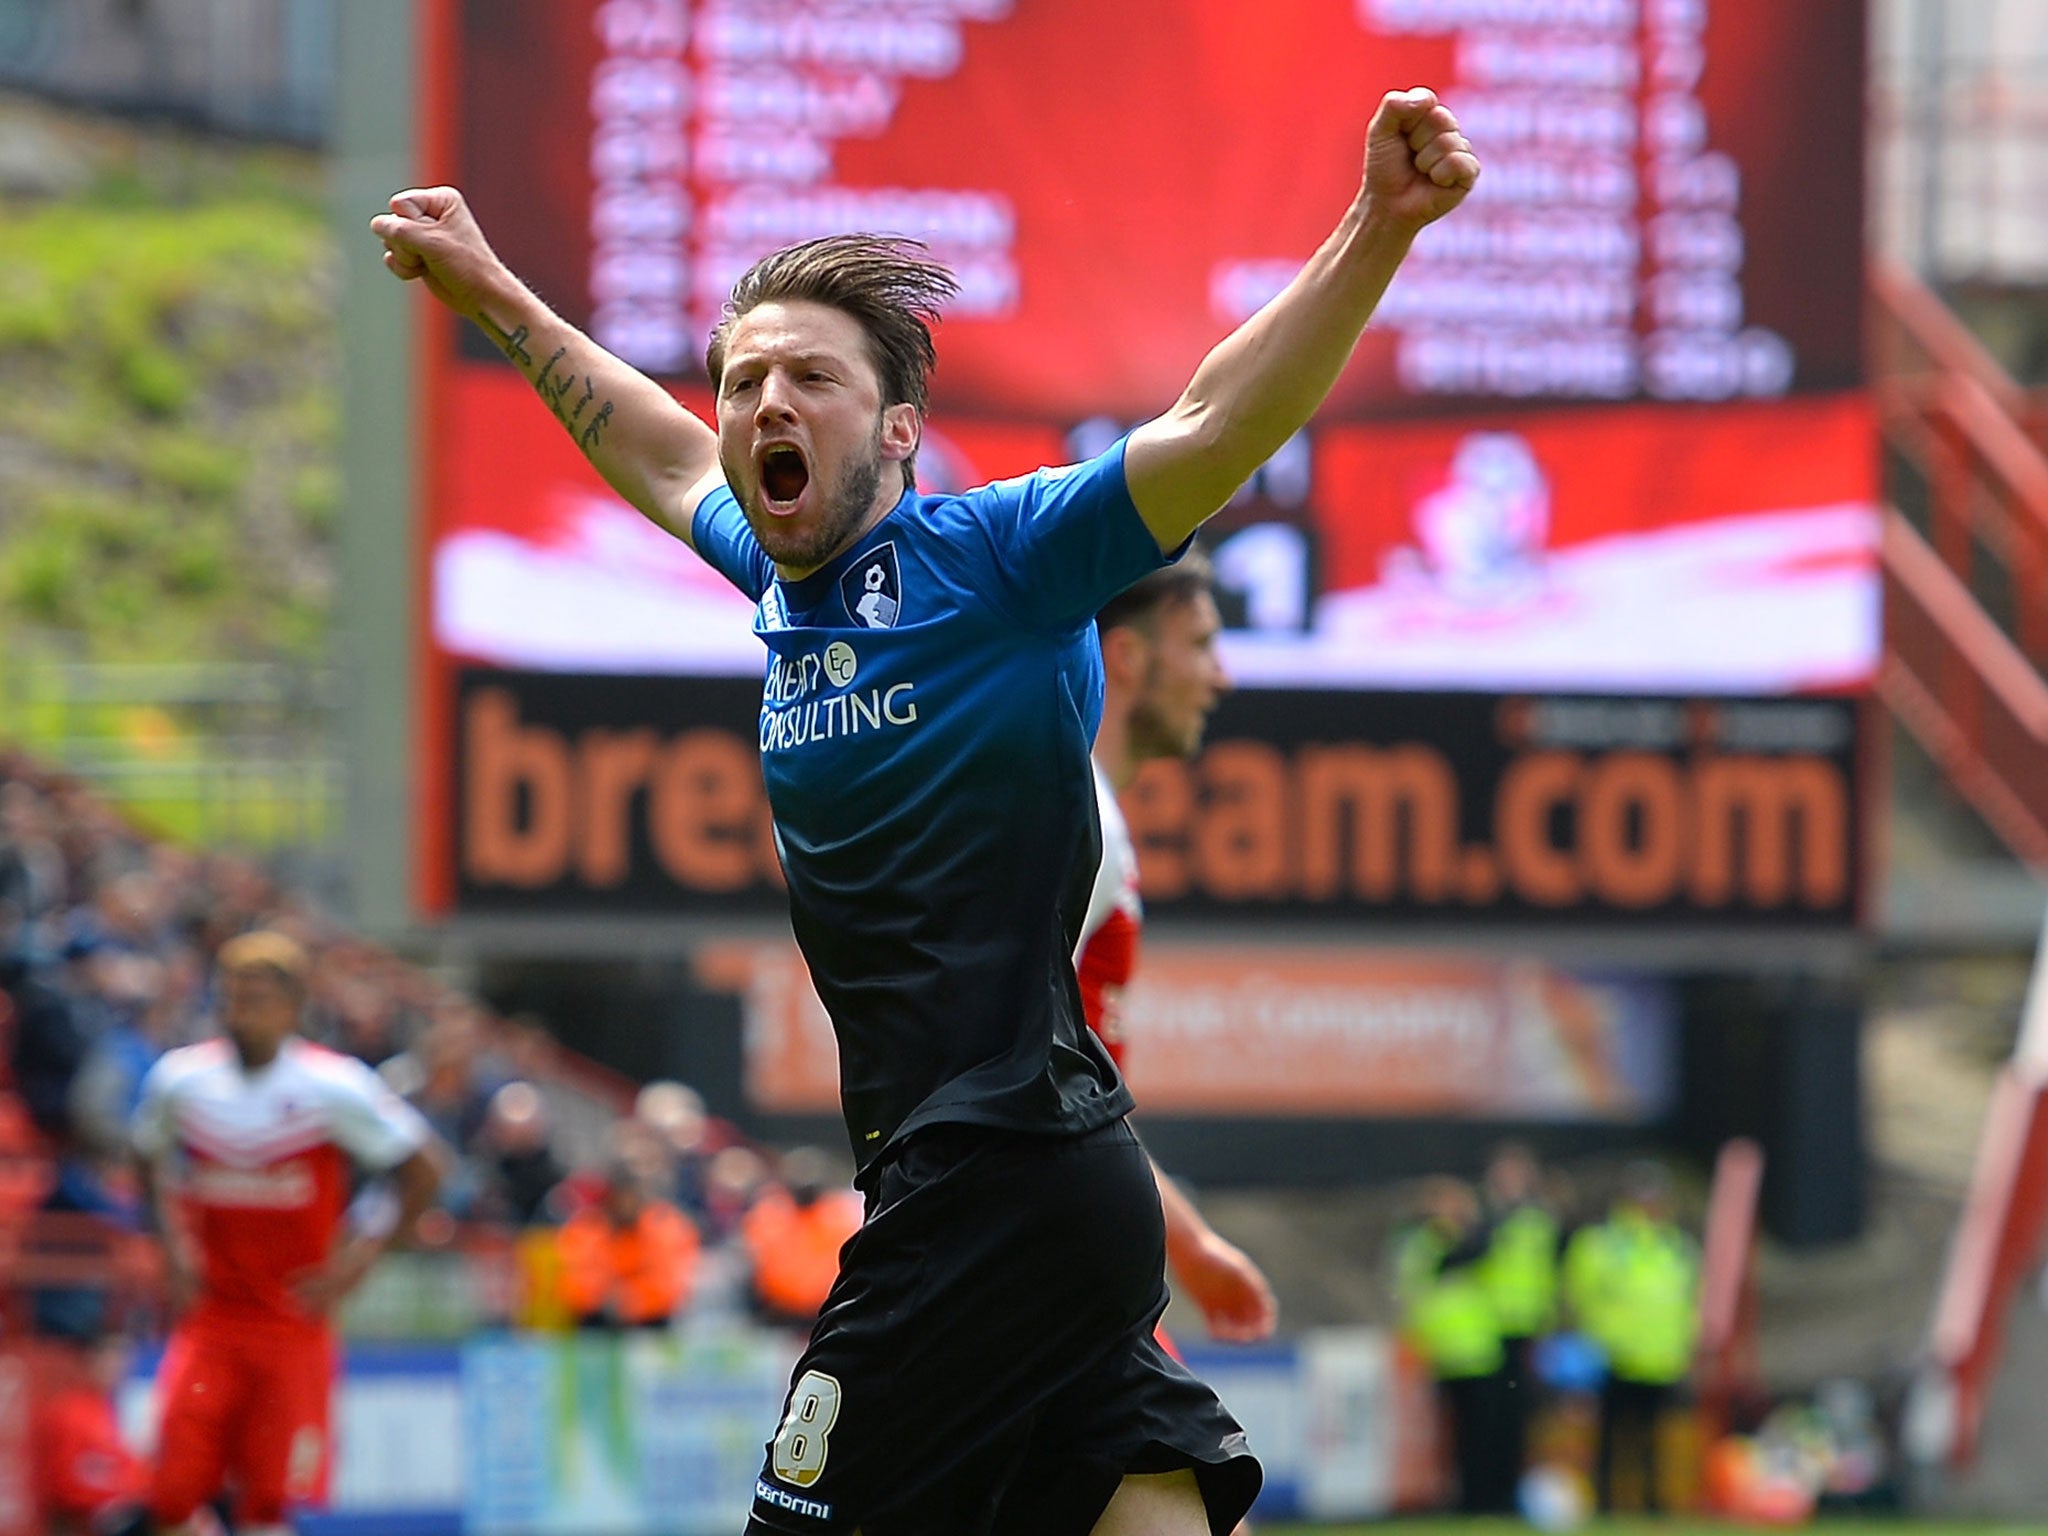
926,719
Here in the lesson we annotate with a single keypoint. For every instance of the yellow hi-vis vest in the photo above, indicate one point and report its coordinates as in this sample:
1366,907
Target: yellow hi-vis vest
1637,1294
1446,1315
1520,1272
1453,1325
1419,1250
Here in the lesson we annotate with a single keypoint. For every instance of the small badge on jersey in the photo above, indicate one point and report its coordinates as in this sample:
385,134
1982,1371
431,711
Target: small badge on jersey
773,617
873,588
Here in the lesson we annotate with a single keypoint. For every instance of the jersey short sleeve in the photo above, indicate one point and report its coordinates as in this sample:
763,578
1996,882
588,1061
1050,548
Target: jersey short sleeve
1065,540
370,1122
722,539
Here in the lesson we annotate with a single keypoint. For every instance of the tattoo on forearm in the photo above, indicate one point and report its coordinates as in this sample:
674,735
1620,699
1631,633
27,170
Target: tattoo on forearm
556,387
552,389
513,346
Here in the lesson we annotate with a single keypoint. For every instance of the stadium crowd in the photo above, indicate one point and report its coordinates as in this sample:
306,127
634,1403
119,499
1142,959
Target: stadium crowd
107,942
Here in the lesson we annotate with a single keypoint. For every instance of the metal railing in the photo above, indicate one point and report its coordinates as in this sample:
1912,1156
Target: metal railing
1965,558
218,754
262,67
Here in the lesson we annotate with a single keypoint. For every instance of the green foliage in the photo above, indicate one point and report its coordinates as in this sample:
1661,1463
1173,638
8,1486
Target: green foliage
40,575
168,415
197,566
196,464
169,769
155,380
315,494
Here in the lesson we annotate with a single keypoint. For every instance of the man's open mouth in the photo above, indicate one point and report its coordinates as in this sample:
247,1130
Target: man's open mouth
784,474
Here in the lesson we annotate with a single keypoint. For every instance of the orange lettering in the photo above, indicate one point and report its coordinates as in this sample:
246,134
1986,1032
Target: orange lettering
1632,829
705,811
1747,810
613,765
1159,805
1241,838
1378,792
1530,792
502,759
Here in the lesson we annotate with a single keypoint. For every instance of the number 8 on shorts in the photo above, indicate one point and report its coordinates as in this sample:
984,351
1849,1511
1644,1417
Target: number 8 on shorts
801,1443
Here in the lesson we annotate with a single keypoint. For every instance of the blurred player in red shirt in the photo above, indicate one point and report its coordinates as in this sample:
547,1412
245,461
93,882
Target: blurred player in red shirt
1161,678
247,1144
88,1482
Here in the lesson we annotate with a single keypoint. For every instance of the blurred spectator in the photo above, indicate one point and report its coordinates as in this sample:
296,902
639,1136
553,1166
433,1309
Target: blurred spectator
440,1075
518,1170
527,1049
147,1006
87,1480
675,1114
46,1046
1519,1272
357,1016
104,981
736,1178
1633,1283
240,897
98,1185
125,914
627,1261
180,881
34,877
1448,1319
793,1235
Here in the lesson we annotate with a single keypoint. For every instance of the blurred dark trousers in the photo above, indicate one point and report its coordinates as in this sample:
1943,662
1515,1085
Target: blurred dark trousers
1519,1400
1485,1452
1629,1413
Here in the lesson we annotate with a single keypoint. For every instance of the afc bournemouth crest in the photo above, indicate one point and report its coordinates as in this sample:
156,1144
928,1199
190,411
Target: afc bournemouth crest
873,588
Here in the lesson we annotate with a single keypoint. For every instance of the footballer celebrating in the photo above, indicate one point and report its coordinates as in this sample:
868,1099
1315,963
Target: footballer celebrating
986,1361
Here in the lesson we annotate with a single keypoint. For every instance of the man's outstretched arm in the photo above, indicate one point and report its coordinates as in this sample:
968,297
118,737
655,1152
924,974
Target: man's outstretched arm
1261,383
649,449
1236,1300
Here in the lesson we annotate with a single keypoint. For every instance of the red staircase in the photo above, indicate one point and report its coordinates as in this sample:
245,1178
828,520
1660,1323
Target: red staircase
1965,558
1966,650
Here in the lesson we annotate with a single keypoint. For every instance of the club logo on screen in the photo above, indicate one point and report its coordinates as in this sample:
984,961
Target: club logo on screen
873,588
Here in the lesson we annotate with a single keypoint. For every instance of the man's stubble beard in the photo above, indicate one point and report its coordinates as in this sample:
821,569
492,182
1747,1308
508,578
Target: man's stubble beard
845,510
1152,737
1153,734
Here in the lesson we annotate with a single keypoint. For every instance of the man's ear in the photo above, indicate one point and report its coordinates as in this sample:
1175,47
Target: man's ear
902,431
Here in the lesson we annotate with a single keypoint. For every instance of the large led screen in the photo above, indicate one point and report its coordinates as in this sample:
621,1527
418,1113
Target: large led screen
1604,436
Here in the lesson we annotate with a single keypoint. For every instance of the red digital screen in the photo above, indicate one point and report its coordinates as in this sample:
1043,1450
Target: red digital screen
1671,209
1605,433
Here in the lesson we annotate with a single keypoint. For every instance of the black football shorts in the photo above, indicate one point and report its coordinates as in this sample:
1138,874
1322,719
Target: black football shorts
985,1364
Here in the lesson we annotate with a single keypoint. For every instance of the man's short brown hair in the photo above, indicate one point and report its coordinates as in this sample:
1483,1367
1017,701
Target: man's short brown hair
889,285
269,952
1150,595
